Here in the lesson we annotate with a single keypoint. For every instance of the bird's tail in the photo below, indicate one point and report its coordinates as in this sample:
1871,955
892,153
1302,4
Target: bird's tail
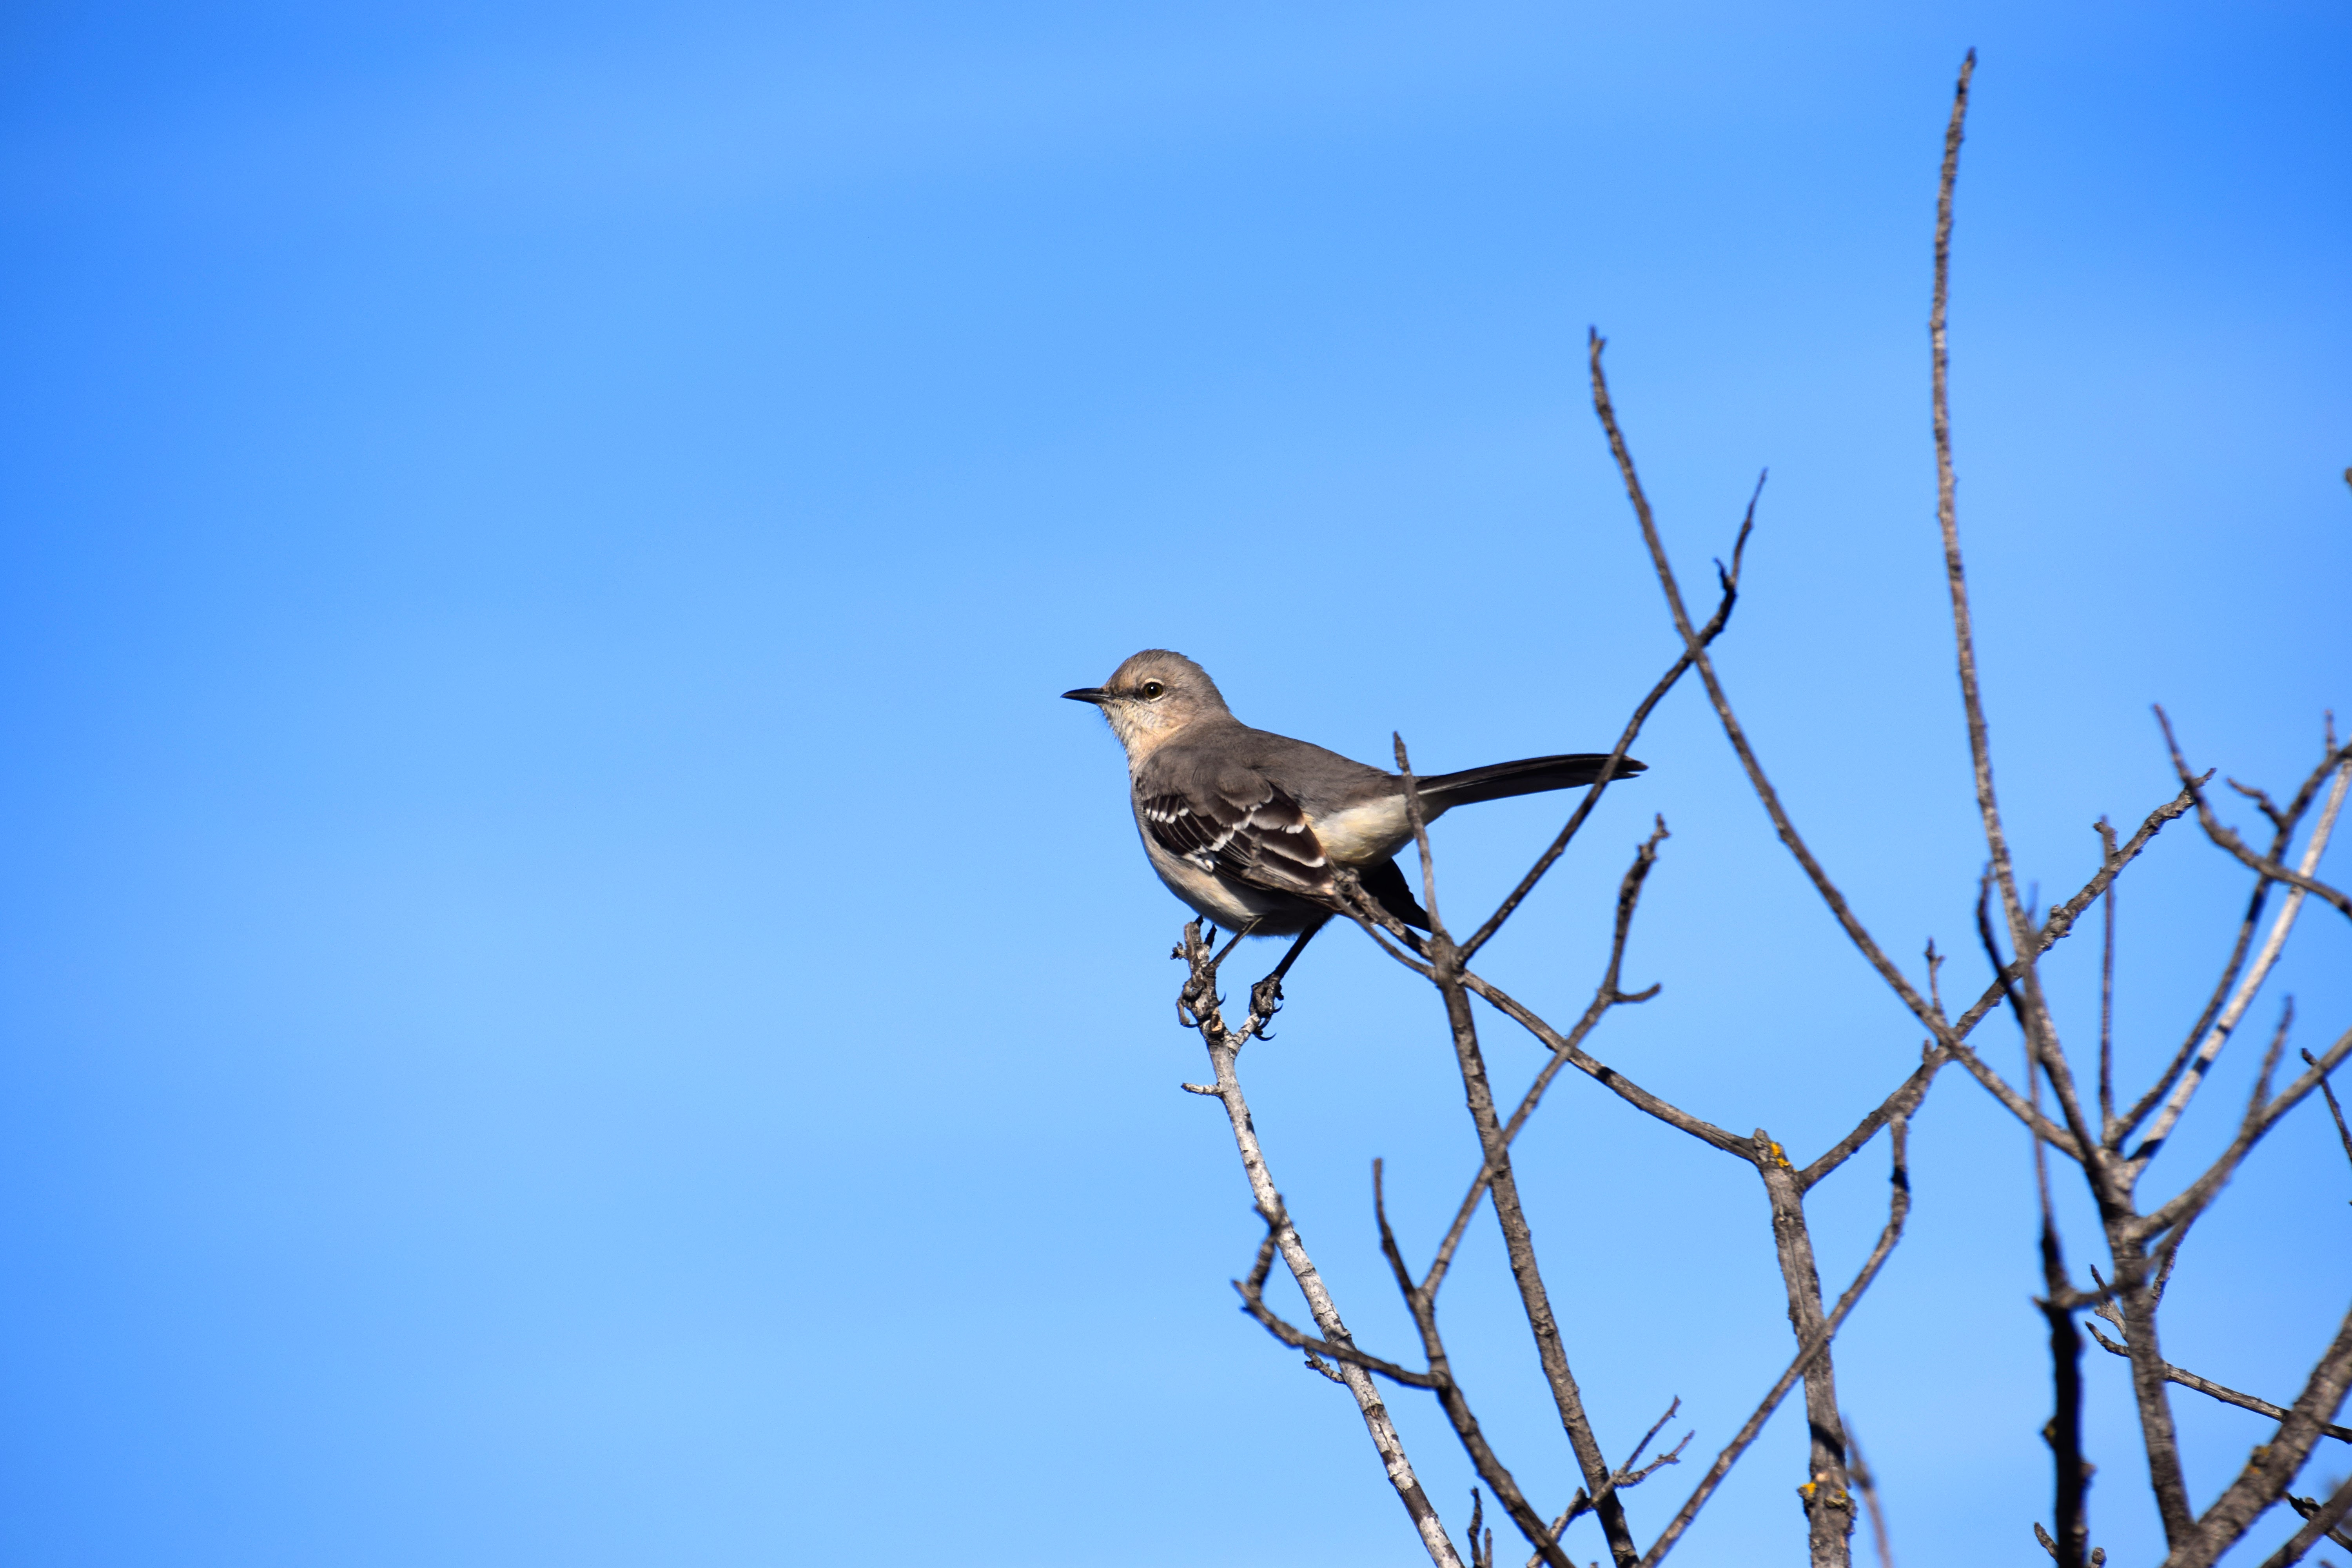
1529,775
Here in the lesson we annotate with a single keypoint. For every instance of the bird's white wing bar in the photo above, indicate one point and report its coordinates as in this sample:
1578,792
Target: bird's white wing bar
1265,842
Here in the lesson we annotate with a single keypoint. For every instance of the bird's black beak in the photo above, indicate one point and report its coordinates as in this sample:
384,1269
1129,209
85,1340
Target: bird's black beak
1094,694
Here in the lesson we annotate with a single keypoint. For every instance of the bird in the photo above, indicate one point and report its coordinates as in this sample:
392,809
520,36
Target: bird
1251,829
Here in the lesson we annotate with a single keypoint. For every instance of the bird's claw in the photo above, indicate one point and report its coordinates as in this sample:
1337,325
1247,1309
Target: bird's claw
1265,1001
1197,1001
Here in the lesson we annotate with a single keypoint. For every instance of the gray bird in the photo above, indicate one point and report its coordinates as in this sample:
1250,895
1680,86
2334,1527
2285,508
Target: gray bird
1249,827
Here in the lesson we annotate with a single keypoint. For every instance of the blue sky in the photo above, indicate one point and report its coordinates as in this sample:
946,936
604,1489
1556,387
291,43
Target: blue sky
571,995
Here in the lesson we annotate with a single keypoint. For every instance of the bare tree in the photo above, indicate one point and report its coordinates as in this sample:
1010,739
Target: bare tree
2111,1150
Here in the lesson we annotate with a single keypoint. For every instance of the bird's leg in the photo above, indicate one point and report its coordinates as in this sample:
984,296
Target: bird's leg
1265,997
1202,987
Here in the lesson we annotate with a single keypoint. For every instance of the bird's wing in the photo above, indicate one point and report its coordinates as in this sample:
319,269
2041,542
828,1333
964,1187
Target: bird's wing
1239,823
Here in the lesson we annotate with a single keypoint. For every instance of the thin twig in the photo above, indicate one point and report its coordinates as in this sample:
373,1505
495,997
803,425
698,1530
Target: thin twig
2212,1390
2227,837
2154,1095
1482,1552
1625,1475
2060,923
2342,1131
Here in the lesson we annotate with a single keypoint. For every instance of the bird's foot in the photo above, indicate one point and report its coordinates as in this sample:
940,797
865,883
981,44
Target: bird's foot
1197,1001
1265,1001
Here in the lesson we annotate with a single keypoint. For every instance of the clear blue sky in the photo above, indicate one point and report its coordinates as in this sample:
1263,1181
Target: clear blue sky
569,995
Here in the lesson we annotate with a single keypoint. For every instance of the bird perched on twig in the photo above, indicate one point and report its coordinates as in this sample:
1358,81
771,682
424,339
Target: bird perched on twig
1252,828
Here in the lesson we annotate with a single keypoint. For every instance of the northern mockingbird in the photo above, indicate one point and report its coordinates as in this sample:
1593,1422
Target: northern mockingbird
1249,827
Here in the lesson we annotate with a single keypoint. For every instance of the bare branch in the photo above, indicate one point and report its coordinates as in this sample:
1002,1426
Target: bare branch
1298,1339
1413,815
2134,1300
2198,1194
1827,1499
2267,1474
1955,574
2258,900
2055,929
1828,890
1519,1238
1422,1305
2273,944
2331,756
2326,1520
1223,1047
2211,1389
1380,925
2060,923
1898,1206
2227,837
1901,1104
1625,1088
2070,1473
1697,650
2261,799
1625,1475
2126,1237
2071,1547
2033,1022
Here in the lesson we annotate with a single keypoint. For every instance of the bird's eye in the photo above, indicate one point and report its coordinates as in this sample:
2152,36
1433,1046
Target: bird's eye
1152,689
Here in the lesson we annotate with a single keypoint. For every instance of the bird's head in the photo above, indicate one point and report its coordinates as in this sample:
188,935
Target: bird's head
1151,697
